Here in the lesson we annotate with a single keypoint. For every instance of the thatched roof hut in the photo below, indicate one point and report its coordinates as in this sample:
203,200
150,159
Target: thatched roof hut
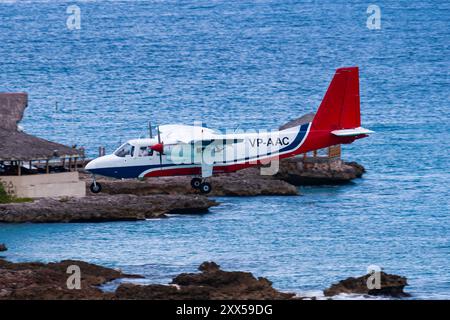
19,146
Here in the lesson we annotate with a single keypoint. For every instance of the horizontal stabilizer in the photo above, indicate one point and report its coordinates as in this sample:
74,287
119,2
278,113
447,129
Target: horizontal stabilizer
351,132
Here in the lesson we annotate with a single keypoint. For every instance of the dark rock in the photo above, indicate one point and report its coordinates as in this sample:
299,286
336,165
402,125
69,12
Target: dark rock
391,285
317,171
359,169
209,266
211,283
103,208
128,291
3,247
41,281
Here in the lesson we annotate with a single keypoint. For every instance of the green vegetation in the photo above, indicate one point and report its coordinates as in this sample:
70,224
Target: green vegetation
6,198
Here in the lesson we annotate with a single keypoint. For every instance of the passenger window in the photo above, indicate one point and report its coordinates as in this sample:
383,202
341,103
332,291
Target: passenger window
145,152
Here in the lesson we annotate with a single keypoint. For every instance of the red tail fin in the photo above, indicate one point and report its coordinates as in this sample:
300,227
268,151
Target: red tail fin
340,106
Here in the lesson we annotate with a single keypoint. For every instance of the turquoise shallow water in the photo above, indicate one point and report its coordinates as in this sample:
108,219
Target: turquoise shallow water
257,64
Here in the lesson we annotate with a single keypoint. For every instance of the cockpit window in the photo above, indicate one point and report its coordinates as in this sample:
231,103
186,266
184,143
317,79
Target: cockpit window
125,150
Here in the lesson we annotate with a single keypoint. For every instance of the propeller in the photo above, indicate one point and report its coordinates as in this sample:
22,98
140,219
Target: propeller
159,147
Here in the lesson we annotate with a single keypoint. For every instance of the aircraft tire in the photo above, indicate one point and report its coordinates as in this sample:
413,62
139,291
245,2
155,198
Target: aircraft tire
95,188
195,183
205,187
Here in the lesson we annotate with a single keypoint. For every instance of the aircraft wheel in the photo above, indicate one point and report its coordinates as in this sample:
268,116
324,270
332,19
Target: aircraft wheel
205,188
195,183
95,187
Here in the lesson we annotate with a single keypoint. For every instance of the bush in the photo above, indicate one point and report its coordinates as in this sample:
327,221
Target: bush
6,198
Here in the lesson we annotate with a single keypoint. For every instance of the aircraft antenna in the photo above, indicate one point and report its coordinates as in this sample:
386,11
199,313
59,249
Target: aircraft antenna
150,129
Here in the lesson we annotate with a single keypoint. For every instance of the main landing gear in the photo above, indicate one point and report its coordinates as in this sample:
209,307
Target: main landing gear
95,187
201,185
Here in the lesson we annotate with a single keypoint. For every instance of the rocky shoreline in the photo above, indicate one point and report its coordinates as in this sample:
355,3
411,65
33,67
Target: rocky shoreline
246,183
121,207
155,198
40,281
292,172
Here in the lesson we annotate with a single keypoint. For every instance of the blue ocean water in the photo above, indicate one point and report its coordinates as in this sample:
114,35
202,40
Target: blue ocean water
256,64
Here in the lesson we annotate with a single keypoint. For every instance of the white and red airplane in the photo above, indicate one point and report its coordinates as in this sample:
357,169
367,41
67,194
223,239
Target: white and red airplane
202,152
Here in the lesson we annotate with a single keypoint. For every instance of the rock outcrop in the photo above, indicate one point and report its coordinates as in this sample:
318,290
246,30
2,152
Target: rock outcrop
39,281
390,285
12,107
318,171
242,183
103,208
3,247
211,284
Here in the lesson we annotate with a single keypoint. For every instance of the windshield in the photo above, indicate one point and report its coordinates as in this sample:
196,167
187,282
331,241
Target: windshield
125,150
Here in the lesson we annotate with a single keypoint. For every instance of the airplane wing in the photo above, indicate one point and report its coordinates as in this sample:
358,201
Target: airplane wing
183,133
200,138
175,133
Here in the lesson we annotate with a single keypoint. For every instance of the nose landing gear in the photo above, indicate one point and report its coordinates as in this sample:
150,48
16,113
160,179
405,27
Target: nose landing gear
201,185
95,187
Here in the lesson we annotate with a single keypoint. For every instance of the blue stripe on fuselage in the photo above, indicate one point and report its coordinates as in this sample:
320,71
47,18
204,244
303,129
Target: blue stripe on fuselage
127,172
298,139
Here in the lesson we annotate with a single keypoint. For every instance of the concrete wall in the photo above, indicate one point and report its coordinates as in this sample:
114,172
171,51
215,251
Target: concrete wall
44,185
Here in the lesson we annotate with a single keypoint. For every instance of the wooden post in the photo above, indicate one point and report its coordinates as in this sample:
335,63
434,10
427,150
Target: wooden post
47,168
70,164
19,171
315,153
75,164
64,163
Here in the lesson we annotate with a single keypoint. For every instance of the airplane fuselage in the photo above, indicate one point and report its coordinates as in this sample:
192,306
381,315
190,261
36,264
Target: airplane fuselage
254,148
